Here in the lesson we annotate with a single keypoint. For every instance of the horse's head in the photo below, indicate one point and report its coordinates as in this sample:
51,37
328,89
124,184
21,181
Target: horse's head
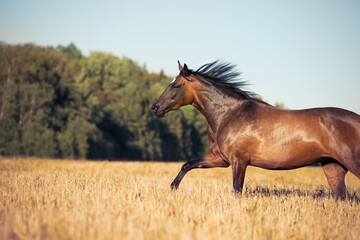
177,94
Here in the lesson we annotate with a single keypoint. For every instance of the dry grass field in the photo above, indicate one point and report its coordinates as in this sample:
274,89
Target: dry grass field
61,199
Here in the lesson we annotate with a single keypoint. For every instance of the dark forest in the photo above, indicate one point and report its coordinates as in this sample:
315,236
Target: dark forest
55,102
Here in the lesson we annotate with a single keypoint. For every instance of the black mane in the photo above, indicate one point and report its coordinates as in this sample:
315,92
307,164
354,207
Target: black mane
225,75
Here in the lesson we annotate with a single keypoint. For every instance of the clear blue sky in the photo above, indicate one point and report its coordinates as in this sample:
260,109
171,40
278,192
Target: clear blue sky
303,53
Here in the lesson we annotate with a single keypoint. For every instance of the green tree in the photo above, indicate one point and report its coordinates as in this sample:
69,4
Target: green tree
280,105
58,103
70,51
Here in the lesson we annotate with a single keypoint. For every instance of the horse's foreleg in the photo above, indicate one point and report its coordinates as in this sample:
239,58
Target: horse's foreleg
335,174
208,161
238,168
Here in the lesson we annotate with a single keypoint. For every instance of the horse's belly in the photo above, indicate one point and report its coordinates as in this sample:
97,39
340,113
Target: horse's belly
287,157
276,164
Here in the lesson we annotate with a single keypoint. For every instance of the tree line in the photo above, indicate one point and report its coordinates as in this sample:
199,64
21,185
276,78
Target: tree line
55,102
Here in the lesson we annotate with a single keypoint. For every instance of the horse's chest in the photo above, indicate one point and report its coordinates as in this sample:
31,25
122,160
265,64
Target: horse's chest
238,143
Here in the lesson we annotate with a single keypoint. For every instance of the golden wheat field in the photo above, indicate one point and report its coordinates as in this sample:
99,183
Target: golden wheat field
63,199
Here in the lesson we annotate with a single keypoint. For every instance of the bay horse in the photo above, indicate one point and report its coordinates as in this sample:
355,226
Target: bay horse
244,130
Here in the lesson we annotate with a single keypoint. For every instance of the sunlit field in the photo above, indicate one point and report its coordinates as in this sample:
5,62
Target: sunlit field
62,199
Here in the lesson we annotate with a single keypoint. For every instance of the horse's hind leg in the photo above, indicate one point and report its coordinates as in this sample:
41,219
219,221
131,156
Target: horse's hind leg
208,161
335,174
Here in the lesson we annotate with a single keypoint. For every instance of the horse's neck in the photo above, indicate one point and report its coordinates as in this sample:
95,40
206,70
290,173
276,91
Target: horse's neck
214,104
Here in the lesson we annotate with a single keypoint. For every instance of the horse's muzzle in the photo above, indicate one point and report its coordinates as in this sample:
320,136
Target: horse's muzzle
157,112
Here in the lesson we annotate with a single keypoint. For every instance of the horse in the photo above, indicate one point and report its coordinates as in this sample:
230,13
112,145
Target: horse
244,130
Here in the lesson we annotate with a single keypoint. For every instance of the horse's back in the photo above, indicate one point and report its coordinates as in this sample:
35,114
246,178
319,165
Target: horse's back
306,136
341,122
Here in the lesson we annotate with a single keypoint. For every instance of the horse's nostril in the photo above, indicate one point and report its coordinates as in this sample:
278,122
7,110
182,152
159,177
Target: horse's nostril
155,108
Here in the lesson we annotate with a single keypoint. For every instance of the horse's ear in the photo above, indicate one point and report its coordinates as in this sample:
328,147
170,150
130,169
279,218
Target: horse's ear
180,67
185,70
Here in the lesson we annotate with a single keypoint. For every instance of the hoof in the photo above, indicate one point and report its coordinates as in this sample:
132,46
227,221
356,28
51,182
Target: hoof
173,186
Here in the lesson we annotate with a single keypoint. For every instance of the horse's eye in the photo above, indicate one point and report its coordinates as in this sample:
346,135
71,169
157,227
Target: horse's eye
176,85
